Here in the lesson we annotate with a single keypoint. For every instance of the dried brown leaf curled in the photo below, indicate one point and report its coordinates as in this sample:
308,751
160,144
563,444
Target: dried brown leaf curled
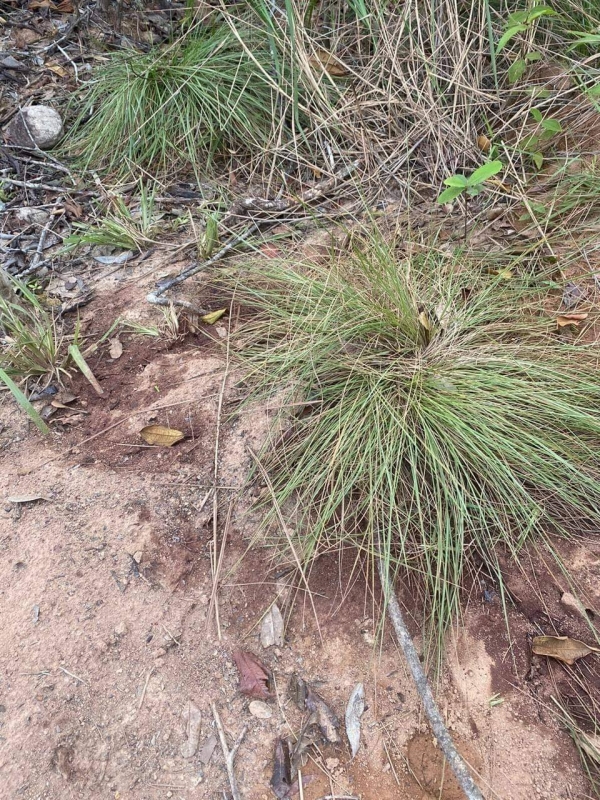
159,435
322,59
254,676
563,648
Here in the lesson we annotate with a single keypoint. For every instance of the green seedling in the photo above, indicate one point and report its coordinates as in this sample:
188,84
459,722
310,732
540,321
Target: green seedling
460,185
521,22
547,128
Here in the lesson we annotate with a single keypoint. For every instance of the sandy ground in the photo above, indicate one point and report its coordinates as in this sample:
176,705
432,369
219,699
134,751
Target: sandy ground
108,633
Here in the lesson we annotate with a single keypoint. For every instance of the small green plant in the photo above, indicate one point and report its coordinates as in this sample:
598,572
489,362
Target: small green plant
30,341
547,128
429,414
120,227
463,186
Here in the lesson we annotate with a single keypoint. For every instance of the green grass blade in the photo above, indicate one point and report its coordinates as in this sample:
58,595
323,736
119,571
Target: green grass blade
24,403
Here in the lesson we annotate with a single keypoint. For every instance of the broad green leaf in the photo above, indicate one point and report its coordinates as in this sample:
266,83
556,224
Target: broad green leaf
540,11
516,70
24,402
509,34
538,159
484,172
460,181
536,114
531,57
450,194
552,125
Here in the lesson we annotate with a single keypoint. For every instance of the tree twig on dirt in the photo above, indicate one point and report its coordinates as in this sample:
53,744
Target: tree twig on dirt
278,207
229,755
444,740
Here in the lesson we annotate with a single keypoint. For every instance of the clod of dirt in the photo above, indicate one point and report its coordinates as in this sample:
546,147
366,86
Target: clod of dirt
193,719
35,127
271,630
254,676
572,604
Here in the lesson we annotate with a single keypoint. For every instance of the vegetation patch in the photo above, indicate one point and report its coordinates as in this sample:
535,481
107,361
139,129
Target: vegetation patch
430,412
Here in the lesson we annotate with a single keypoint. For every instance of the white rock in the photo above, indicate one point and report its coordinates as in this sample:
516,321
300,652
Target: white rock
32,216
35,126
260,710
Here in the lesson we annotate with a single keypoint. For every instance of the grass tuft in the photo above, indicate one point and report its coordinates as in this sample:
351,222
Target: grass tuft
440,417
176,107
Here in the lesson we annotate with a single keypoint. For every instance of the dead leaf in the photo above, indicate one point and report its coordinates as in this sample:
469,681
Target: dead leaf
192,718
57,69
354,711
570,319
324,717
208,749
116,348
213,316
271,630
424,320
281,780
483,143
323,59
27,498
269,250
159,435
254,676
572,295
563,648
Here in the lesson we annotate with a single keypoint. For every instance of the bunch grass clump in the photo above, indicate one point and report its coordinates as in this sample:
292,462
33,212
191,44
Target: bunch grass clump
440,417
178,106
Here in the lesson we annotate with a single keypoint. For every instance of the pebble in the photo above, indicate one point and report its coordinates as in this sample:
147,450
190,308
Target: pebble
260,710
121,629
35,127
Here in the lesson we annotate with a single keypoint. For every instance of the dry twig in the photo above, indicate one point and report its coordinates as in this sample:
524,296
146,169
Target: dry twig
454,759
228,754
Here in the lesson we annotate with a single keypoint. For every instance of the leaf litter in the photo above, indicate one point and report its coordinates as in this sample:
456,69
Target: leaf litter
271,630
255,678
161,436
354,711
562,648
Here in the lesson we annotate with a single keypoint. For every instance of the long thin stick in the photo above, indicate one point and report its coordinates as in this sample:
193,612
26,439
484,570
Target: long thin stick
454,759
228,754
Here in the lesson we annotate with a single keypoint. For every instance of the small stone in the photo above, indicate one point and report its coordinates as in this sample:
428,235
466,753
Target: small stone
260,710
35,127
332,763
137,556
121,629
573,605
32,216
159,653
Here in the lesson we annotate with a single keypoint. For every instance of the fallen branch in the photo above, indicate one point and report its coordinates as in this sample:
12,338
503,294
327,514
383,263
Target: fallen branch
278,207
228,754
454,759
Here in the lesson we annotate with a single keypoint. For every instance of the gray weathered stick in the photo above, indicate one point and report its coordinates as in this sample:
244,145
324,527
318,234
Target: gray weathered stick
228,754
454,759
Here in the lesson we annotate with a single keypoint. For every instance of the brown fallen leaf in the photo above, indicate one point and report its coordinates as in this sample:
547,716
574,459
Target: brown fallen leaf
323,59
254,676
483,143
563,648
281,780
323,716
570,319
159,435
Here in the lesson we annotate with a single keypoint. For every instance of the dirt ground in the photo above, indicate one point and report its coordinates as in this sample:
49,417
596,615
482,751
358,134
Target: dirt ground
108,631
